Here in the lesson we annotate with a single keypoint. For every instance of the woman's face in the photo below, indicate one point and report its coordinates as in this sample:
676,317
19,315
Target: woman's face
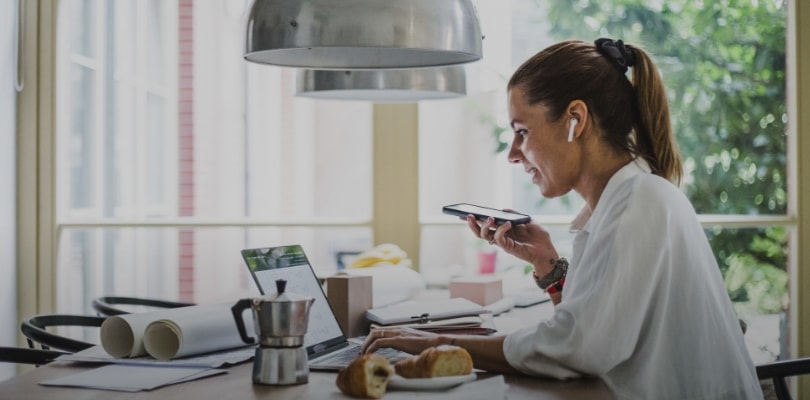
542,146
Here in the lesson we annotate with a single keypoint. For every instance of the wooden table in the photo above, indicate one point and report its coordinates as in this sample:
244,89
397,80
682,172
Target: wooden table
237,384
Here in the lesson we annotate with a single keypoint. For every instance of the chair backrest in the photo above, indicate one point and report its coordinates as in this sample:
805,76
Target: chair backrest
35,331
108,305
778,371
21,355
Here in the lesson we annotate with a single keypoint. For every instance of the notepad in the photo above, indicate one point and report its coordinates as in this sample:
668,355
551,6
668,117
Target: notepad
424,311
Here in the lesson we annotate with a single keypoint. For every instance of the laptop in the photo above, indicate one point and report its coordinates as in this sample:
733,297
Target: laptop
328,349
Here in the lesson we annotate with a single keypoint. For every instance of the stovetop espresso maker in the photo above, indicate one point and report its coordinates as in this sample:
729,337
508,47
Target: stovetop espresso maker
280,323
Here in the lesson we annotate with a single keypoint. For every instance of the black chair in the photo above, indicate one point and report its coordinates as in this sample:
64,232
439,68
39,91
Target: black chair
108,305
21,355
779,370
35,330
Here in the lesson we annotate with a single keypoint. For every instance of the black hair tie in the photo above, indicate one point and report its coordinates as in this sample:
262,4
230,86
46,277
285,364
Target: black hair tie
622,56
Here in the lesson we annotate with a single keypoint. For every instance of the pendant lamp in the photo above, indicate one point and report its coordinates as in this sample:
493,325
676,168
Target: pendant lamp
383,86
363,34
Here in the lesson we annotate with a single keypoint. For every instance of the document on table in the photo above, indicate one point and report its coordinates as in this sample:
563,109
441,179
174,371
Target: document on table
210,360
131,378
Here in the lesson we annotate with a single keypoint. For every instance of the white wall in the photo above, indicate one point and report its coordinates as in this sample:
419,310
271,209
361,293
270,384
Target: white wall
8,291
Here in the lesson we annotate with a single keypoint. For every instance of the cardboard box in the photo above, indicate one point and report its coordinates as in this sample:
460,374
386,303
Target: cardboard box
350,296
483,290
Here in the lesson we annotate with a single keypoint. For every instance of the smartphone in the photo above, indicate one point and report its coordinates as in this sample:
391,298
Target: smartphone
482,213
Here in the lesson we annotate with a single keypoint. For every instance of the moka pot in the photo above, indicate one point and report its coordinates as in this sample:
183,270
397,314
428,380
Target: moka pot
280,323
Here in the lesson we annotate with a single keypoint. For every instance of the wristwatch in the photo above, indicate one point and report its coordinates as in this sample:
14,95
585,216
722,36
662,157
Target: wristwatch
559,271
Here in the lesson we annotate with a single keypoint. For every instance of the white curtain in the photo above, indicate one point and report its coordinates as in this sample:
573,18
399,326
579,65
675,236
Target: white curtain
8,292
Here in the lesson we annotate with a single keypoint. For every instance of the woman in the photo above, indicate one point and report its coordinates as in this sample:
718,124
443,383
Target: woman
642,305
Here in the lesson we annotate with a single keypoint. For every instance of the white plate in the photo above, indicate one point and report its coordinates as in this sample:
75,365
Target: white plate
440,383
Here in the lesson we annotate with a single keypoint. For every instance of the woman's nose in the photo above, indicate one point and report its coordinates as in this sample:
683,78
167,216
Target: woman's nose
515,155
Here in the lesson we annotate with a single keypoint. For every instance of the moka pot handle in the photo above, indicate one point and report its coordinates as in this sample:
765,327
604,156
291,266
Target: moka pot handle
238,312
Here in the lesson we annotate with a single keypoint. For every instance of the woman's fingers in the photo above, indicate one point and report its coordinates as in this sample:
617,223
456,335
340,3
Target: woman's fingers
372,342
485,230
488,230
408,340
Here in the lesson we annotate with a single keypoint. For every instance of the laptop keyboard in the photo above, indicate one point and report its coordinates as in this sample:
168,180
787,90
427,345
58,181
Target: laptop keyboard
348,355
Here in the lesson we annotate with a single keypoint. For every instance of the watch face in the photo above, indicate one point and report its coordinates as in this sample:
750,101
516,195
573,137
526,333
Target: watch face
561,264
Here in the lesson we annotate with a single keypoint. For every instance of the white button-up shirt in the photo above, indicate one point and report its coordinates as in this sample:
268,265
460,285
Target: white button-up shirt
644,304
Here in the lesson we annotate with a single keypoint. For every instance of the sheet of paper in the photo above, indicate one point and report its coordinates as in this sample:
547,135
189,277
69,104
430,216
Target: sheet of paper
131,378
210,360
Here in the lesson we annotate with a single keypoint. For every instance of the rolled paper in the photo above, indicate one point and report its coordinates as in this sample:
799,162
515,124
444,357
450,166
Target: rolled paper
202,330
122,335
172,333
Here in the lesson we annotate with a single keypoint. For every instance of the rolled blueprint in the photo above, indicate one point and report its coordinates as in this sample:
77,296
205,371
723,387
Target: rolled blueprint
172,333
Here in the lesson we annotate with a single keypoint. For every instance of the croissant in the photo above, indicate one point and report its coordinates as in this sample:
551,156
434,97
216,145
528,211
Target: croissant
366,377
444,360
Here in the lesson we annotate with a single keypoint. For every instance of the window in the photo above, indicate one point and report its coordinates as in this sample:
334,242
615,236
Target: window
174,153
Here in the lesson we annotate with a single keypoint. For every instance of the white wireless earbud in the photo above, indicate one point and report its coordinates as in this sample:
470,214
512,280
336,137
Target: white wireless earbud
571,127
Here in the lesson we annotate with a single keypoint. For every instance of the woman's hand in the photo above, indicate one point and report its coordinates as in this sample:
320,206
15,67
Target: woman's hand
529,242
486,351
409,340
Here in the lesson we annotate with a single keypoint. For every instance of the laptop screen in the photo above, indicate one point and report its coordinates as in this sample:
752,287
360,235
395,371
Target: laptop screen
267,265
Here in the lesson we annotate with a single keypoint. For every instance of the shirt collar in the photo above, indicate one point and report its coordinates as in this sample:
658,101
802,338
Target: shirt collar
629,170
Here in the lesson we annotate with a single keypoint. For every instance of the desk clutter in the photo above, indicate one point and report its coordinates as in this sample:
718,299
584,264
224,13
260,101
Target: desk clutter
134,363
148,350
151,349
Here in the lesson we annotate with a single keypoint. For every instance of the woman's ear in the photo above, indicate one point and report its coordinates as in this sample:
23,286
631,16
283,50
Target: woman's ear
577,114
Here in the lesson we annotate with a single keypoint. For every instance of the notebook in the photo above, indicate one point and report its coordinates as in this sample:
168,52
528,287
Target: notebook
328,348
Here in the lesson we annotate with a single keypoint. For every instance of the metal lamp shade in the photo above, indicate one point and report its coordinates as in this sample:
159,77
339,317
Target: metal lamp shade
363,34
383,86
